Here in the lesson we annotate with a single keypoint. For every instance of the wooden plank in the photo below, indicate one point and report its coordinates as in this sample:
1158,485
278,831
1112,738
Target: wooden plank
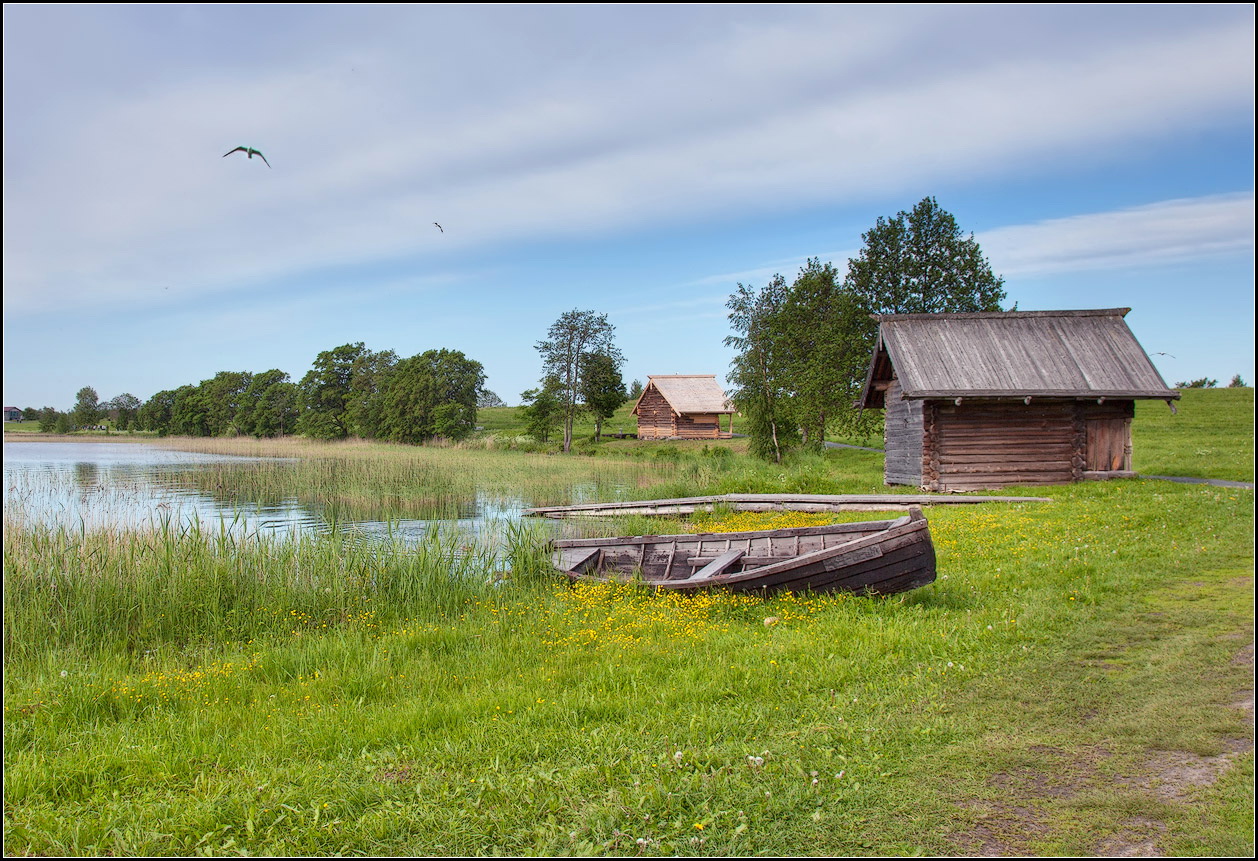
785,502
696,561
718,565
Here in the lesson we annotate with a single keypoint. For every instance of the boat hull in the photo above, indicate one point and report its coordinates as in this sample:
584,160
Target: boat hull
874,557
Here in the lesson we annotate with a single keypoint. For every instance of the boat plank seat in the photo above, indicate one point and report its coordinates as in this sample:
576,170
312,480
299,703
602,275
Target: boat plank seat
718,565
747,561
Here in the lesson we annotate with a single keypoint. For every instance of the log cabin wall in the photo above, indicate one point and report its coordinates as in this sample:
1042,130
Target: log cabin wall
655,416
989,444
697,426
902,438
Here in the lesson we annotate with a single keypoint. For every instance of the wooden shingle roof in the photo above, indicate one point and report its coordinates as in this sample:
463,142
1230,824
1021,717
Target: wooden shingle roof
1016,354
688,393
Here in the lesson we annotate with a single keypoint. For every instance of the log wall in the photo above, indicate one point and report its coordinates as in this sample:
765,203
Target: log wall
902,438
982,445
655,416
698,426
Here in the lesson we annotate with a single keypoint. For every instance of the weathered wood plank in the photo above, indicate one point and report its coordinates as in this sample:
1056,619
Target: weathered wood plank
718,565
770,501
578,562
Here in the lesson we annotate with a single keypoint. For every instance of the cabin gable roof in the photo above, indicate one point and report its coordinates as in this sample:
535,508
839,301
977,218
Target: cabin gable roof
1014,354
688,394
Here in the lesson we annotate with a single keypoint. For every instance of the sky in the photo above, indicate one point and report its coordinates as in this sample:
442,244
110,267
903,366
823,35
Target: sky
636,161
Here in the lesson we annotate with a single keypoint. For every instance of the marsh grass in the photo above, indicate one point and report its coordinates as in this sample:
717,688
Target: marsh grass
186,586
378,481
361,701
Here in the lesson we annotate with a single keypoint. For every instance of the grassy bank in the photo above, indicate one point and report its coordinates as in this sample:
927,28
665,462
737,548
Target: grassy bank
1078,681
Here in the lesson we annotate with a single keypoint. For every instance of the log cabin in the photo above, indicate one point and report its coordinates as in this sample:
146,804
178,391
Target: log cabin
986,400
682,406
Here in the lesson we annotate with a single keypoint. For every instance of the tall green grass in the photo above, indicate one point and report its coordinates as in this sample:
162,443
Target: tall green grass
183,586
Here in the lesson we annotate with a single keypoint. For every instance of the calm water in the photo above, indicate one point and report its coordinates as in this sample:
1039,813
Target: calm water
134,484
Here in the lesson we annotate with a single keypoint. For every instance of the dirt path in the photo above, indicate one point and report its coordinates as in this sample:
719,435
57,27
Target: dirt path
1163,778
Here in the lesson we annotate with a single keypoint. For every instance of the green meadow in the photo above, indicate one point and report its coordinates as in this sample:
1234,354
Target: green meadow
1078,681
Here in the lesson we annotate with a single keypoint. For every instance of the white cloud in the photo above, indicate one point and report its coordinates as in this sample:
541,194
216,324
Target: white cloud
1170,231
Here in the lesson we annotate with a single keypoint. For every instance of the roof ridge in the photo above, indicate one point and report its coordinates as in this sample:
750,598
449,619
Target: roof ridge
985,315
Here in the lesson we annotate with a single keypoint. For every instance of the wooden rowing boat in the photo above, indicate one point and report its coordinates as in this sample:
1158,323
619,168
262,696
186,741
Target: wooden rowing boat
880,557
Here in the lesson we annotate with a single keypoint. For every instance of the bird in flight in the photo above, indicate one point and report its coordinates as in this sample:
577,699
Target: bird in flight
249,151
439,227
1163,354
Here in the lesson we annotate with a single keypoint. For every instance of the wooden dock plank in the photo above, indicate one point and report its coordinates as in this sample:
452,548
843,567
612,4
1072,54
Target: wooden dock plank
771,502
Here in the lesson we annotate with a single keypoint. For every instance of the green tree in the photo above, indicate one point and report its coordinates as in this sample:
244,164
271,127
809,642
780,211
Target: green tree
570,338
760,371
87,409
602,388
543,409
488,399
921,263
430,395
123,410
47,418
820,327
269,406
1236,383
188,413
223,399
156,413
364,409
1199,383
326,392
635,390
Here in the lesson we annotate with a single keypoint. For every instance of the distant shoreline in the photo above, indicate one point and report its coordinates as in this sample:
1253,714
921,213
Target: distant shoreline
35,436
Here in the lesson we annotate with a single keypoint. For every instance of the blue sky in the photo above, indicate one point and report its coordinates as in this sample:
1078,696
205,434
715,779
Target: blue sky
637,161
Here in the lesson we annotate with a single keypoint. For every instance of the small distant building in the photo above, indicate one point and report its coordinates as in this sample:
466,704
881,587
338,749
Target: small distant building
986,400
682,406
12,414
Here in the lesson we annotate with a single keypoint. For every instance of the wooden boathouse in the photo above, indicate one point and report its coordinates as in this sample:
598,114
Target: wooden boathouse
682,406
986,400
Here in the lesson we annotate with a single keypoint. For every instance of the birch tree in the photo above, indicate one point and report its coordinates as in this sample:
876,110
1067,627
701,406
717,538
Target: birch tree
570,338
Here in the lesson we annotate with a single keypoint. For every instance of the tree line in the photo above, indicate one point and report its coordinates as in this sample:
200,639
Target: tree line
349,391
354,391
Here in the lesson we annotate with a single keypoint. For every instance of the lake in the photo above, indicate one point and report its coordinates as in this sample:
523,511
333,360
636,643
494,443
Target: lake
100,484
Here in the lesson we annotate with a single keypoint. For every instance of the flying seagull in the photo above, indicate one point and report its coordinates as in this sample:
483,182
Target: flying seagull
249,151
439,227
1163,354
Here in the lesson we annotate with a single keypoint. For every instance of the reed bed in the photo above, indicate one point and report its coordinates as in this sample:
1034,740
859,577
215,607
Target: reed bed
374,481
184,586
